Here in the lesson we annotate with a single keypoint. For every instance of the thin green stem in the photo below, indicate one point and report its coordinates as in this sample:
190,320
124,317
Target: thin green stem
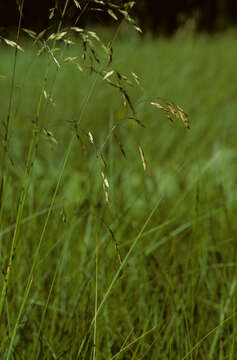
21,203
7,123
116,276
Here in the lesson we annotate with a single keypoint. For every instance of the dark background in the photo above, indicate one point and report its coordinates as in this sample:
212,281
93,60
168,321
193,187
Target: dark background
159,17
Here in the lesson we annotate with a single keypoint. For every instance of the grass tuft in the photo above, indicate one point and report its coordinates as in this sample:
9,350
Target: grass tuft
99,259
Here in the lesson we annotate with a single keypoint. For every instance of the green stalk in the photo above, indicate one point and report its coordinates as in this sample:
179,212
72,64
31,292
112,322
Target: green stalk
116,276
20,212
18,218
7,124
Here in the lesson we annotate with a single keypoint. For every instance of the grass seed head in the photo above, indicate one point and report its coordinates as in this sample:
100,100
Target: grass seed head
183,116
91,137
143,158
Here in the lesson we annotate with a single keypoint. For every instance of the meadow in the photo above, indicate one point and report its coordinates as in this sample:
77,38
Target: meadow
111,260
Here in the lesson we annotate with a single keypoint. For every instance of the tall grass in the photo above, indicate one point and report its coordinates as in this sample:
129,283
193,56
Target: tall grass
149,273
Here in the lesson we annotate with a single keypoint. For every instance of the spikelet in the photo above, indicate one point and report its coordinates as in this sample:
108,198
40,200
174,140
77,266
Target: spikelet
172,111
106,187
91,137
143,158
183,117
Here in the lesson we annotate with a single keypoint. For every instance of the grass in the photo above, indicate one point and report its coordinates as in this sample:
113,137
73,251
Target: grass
153,274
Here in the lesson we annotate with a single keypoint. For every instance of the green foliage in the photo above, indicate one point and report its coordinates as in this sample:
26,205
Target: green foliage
111,261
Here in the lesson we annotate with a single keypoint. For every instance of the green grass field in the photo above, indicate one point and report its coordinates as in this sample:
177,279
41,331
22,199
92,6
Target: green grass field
152,274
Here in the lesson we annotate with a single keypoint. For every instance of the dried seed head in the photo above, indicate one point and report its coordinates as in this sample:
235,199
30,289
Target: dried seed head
172,108
12,44
107,197
112,14
106,182
143,158
108,74
183,117
91,137
70,59
50,135
79,67
159,106
136,78
77,4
